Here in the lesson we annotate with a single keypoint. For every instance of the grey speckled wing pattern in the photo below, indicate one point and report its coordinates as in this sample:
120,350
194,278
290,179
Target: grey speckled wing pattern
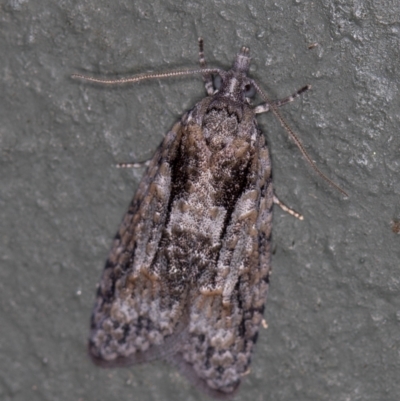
187,276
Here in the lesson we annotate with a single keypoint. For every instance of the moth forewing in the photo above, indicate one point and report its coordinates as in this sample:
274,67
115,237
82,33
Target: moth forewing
130,316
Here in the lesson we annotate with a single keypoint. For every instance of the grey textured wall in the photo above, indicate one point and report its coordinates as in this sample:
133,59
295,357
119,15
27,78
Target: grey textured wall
334,308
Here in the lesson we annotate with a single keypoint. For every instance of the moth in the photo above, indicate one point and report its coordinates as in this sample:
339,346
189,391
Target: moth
187,276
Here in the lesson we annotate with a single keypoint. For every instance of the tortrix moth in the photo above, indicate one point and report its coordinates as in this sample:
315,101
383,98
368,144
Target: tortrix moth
187,277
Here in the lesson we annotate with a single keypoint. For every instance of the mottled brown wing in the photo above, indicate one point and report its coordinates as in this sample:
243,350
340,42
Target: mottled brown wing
224,327
131,317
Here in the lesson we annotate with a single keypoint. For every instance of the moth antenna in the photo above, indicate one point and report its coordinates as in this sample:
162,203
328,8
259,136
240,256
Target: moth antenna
297,141
139,78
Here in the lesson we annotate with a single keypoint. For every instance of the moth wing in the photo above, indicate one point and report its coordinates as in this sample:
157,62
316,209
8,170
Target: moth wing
223,327
132,316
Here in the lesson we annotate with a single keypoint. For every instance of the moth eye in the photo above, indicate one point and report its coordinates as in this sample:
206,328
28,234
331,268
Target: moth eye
217,81
249,90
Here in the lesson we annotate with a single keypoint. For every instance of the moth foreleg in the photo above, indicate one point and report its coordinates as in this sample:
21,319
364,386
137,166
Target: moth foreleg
207,78
263,108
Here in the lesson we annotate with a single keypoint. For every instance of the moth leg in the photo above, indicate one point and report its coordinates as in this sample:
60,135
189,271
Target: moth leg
287,209
263,108
134,165
207,78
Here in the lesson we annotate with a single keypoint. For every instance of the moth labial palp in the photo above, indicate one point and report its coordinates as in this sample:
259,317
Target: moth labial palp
187,276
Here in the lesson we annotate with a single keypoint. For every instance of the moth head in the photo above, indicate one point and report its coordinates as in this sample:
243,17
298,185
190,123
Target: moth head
235,84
